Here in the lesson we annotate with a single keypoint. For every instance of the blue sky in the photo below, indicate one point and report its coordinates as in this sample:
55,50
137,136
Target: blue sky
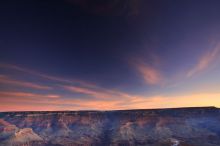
76,55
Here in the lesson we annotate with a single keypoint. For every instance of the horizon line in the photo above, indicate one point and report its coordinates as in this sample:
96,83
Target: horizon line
187,107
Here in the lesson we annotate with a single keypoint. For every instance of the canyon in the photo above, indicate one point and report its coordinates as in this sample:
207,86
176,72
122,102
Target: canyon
195,126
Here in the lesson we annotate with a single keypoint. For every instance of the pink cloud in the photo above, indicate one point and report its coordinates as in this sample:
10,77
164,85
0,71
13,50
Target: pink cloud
46,76
148,68
105,99
6,80
103,94
150,74
205,61
5,94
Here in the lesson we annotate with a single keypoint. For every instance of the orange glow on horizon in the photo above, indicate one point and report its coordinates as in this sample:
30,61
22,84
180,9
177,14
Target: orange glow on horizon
194,100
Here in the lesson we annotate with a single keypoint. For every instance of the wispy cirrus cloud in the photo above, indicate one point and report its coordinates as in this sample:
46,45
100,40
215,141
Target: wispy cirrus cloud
99,93
6,80
73,85
86,91
46,76
205,61
4,94
103,99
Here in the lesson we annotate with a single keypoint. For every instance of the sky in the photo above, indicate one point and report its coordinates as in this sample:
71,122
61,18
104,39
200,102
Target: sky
109,55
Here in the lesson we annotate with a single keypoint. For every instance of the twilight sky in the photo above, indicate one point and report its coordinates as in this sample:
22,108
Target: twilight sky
107,55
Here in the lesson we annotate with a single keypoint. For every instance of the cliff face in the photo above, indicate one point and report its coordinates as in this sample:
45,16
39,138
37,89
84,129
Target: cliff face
162,127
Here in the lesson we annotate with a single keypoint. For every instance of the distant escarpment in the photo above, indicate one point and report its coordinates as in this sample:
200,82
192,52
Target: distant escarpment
159,127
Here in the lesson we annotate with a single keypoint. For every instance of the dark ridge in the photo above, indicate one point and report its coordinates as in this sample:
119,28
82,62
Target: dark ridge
130,110
178,112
